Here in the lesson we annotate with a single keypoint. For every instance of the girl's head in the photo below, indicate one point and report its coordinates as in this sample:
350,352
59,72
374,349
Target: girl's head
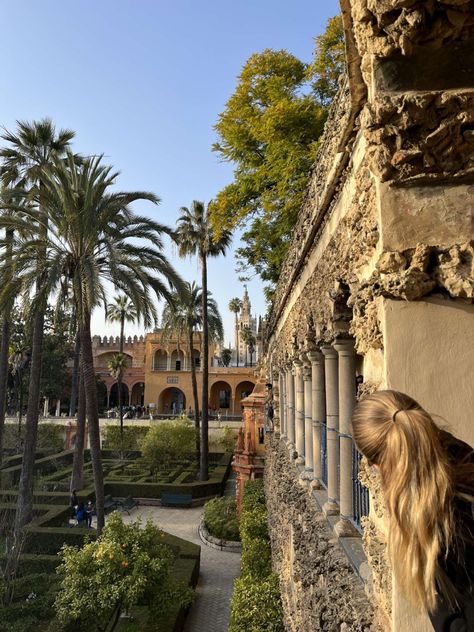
394,433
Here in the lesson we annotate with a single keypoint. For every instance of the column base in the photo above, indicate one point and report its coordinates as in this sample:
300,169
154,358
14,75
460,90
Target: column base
291,451
300,460
316,484
305,478
331,508
345,529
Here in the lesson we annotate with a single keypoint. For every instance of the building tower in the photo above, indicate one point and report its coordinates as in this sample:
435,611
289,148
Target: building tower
245,319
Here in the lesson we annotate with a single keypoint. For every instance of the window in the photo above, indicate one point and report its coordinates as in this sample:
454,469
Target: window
197,361
178,365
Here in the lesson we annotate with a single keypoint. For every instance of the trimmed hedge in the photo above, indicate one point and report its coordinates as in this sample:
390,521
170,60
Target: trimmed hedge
256,603
220,518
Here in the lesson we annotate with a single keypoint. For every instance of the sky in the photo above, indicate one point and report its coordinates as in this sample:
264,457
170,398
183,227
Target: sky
143,82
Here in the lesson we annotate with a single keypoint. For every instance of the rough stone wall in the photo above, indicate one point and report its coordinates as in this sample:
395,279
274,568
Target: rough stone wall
320,591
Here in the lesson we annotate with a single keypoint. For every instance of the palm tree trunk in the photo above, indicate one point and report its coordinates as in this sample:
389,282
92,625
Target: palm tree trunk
237,336
195,393
75,376
119,384
3,378
77,478
24,509
204,470
93,419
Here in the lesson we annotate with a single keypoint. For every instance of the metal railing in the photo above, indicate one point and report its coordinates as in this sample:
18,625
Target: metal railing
360,494
324,454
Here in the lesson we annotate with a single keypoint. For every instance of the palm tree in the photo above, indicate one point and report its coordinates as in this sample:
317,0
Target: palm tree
226,356
121,310
235,305
195,236
248,337
93,238
183,316
117,365
29,153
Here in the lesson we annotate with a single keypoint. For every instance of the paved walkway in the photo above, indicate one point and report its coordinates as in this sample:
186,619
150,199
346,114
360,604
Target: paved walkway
210,611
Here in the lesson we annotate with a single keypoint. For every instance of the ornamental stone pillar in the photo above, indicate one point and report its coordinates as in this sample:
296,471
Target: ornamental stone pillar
276,402
347,398
308,420
290,396
318,401
332,420
299,410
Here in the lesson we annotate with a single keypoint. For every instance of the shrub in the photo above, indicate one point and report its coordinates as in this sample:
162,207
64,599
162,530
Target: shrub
168,441
132,436
220,518
50,437
126,566
256,605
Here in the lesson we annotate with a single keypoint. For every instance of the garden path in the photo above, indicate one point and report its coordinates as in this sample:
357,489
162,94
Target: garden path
210,611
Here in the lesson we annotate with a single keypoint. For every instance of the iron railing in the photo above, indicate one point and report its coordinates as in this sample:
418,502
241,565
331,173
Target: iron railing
360,494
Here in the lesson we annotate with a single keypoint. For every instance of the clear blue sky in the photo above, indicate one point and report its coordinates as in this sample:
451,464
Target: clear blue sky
143,81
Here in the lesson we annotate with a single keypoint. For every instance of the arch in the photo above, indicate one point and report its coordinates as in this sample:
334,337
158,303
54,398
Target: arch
172,401
137,394
160,360
220,396
243,390
104,358
177,360
113,396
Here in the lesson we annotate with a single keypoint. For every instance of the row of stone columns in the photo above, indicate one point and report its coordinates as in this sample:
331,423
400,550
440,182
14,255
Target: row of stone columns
318,386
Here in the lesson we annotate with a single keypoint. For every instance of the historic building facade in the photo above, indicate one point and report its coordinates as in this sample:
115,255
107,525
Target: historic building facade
376,292
245,320
158,375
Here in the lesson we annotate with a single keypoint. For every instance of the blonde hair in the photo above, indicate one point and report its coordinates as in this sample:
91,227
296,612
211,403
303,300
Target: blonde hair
419,483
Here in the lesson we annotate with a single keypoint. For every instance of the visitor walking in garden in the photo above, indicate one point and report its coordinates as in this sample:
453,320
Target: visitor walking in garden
427,477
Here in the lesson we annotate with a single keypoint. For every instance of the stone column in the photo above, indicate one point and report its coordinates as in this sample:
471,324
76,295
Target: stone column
276,404
308,421
299,410
347,398
332,419
290,391
168,362
282,388
318,400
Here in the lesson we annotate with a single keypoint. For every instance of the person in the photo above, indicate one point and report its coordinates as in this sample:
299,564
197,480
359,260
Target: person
89,512
427,477
81,515
73,502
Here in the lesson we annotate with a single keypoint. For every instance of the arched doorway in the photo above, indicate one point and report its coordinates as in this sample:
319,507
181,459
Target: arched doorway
243,390
160,360
113,397
172,401
137,396
221,396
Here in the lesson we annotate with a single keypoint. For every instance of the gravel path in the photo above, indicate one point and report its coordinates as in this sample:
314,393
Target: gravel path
210,611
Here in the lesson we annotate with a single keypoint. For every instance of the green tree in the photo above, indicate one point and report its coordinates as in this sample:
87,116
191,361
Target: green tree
28,155
168,441
94,237
194,235
235,305
249,339
127,565
226,356
269,130
329,61
183,316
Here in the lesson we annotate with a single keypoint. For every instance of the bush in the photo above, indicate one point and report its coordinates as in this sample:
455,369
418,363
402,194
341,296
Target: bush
167,442
50,437
220,518
256,605
132,436
126,566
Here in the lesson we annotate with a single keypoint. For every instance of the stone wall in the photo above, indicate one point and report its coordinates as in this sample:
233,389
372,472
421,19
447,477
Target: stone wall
320,590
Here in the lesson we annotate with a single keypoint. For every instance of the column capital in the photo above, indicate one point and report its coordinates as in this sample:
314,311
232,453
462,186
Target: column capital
307,372
328,351
314,356
297,362
344,346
